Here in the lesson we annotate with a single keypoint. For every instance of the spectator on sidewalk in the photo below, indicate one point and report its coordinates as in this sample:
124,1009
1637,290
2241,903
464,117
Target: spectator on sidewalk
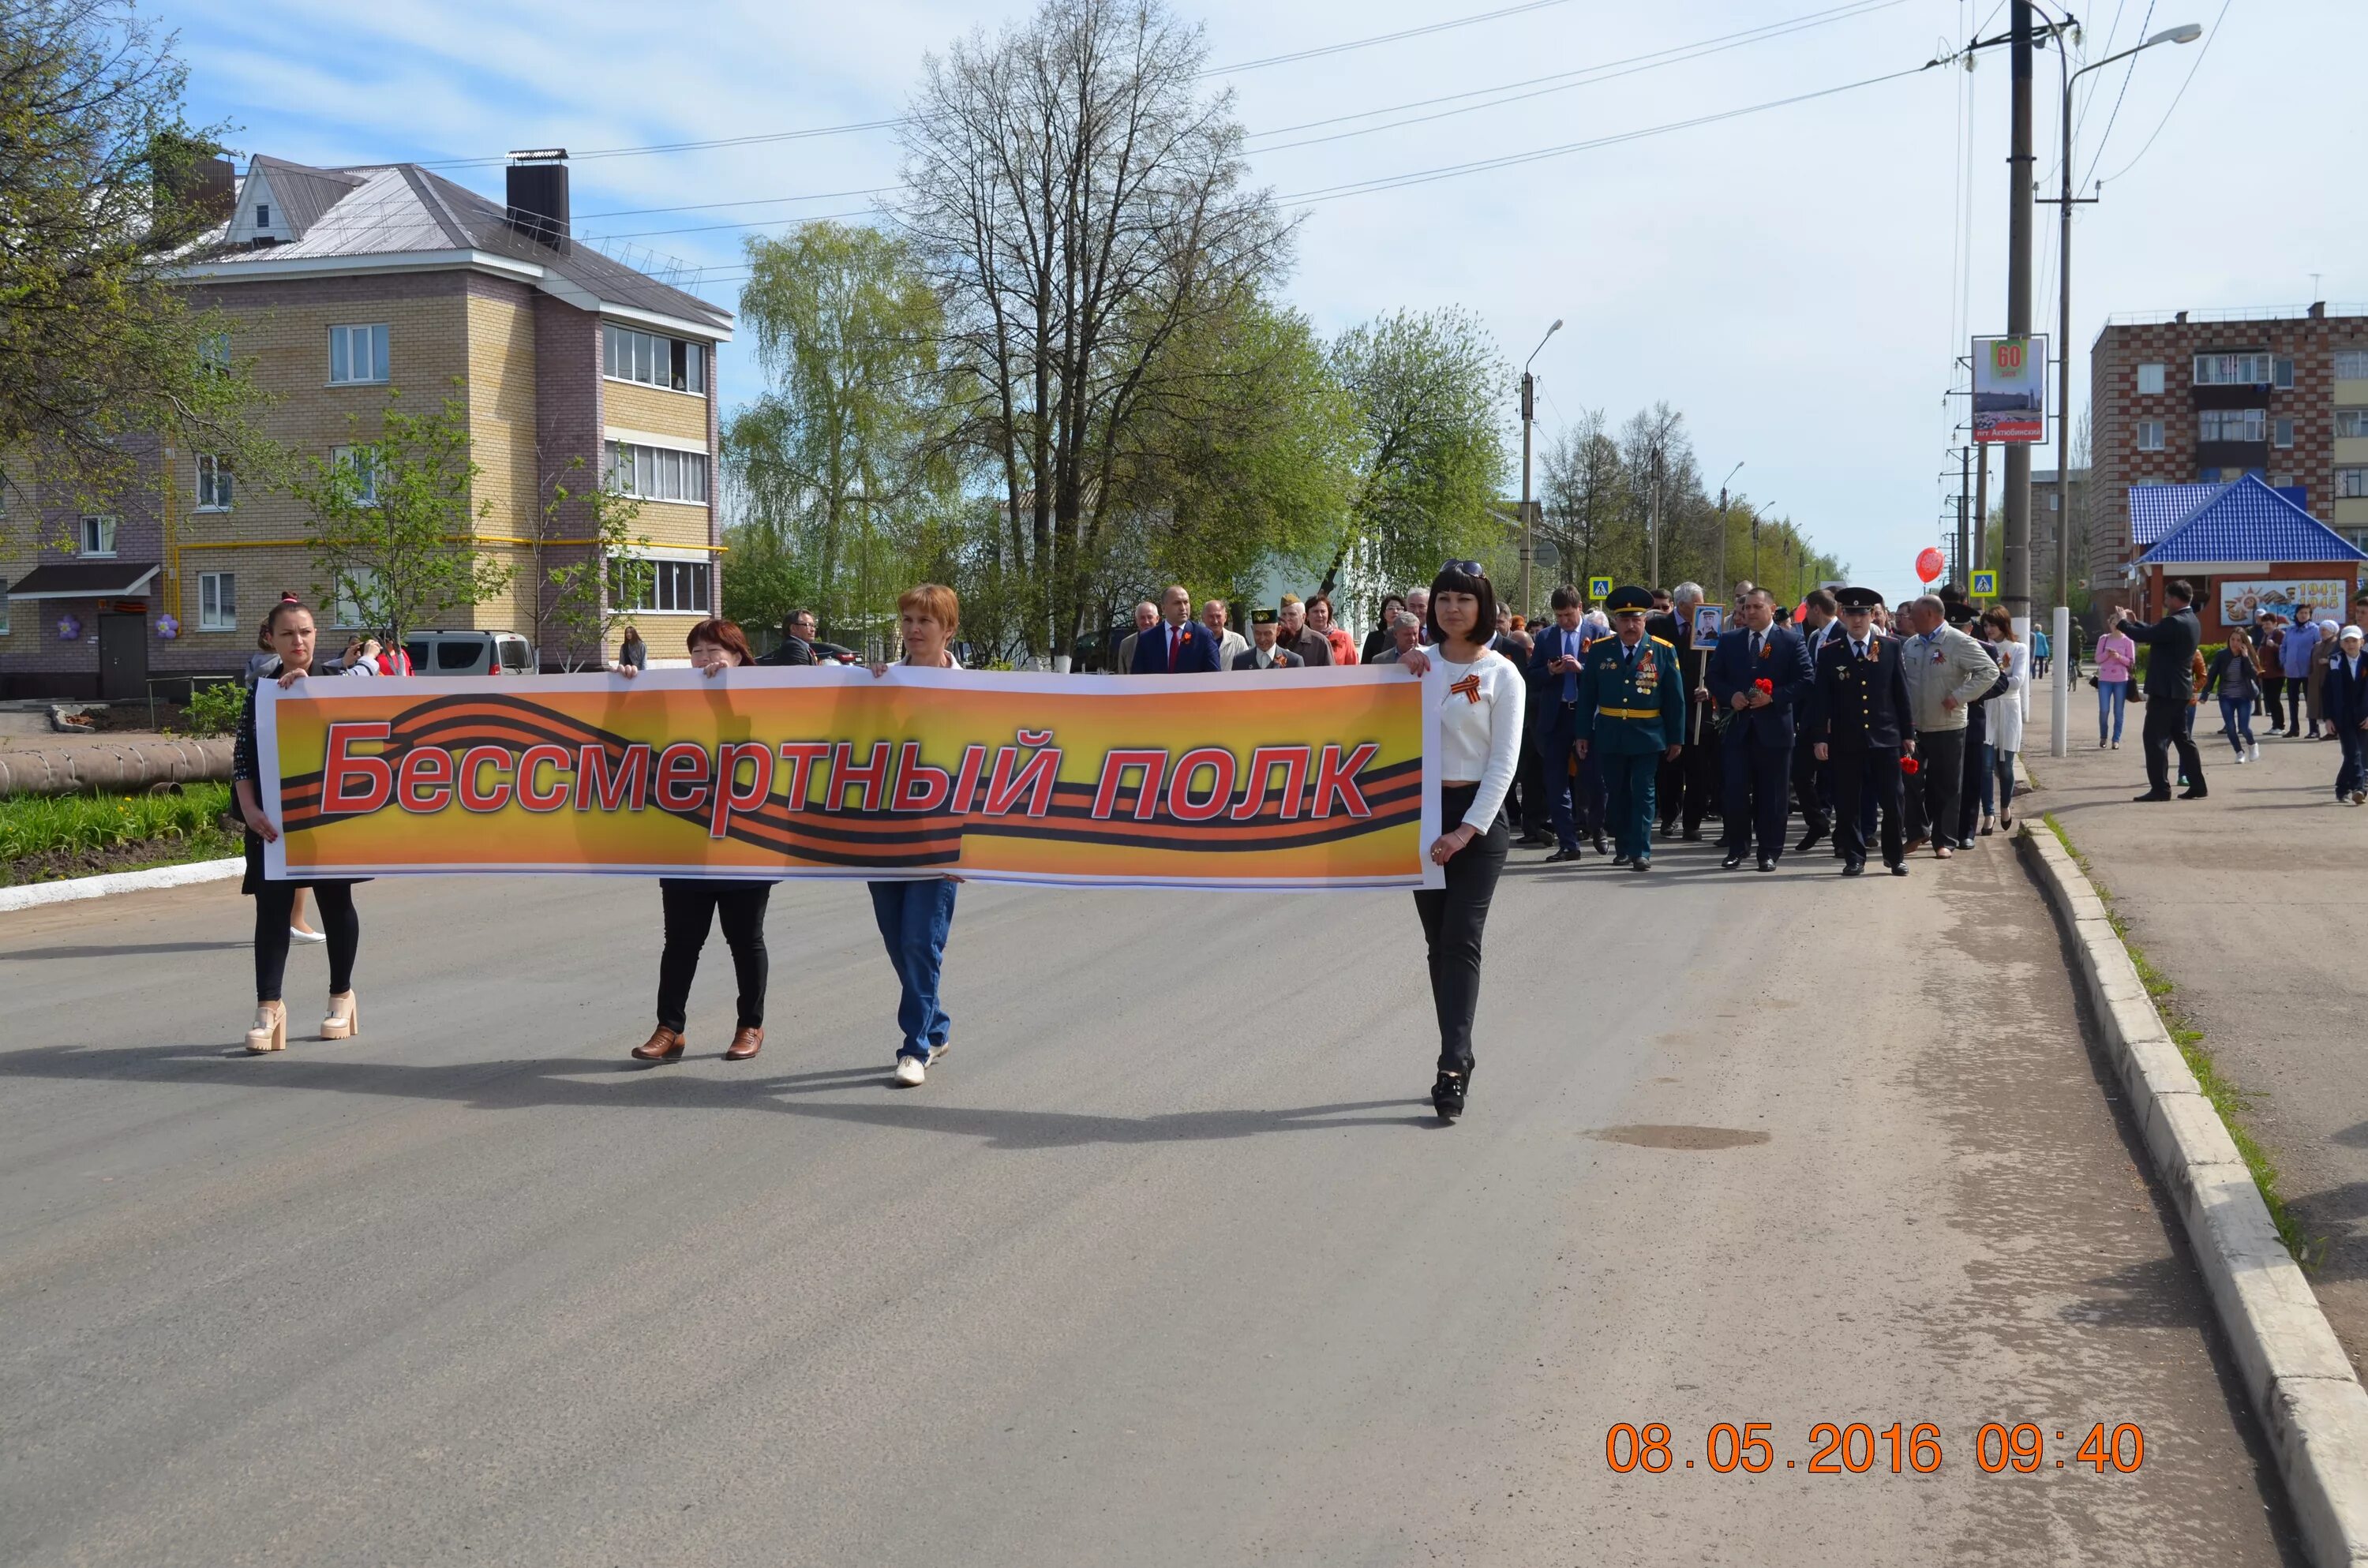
2269,634
2315,687
2347,704
2296,650
2238,682
1946,670
2117,655
2004,715
2170,684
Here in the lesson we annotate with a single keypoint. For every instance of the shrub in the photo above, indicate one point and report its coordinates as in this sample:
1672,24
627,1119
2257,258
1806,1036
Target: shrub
214,710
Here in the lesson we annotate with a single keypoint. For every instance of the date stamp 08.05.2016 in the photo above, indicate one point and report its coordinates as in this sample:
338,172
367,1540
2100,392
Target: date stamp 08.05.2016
1858,1447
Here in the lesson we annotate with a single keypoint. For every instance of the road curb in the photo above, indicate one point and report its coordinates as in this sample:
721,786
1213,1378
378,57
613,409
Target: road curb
34,895
2303,1389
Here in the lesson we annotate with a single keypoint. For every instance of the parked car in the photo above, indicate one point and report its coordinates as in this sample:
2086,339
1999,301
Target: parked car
469,653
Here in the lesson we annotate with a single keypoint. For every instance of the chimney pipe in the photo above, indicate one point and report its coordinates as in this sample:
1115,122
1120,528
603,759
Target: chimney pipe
537,196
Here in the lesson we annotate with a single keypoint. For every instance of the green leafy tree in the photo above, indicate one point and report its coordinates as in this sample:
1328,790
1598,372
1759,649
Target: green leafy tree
394,529
591,584
1428,388
834,463
98,199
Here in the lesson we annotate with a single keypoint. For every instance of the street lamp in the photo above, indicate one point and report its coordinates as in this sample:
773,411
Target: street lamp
1722,584
1529,411
2060,734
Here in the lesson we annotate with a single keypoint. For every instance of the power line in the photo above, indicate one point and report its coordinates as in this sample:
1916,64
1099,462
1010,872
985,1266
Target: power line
2191,70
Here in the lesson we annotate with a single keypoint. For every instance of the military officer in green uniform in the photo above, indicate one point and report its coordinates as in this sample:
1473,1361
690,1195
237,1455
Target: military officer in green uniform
1631,717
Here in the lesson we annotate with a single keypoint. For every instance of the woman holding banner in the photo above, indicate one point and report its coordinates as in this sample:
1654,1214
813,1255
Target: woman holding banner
289,631
1479,695
693,904
916,916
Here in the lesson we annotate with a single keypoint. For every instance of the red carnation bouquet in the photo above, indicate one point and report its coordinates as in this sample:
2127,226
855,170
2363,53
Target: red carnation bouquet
1767,687
1911,767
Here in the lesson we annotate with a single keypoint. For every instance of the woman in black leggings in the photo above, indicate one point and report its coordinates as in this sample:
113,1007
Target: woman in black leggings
694,905
1479,696
290,631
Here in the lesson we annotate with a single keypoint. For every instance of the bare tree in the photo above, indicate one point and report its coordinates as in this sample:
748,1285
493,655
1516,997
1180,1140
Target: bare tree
1076,201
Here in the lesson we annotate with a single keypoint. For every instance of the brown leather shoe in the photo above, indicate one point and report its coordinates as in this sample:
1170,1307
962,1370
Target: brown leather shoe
662,1046
746,1043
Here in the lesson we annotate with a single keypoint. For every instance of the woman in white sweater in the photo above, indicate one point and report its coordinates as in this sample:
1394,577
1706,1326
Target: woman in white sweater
1478,695
2004,714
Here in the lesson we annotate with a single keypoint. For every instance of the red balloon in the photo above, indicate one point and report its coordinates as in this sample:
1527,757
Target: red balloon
1929,563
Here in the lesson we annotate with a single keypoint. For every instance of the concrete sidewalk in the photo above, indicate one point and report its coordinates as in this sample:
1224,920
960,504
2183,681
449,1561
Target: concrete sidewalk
2240,900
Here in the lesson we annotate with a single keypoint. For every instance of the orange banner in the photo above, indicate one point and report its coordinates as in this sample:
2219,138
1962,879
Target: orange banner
1284,778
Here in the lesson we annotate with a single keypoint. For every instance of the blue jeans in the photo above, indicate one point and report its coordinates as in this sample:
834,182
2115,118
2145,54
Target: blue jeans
2113,698
915,918
2237,713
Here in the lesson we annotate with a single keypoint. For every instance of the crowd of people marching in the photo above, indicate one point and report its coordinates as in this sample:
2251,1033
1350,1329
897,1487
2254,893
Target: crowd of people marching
1613,725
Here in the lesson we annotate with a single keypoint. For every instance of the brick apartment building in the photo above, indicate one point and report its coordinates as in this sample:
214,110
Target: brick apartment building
2210,396
342,286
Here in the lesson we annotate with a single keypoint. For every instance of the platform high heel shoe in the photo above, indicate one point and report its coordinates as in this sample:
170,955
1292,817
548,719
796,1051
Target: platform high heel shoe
345,1019
270,1031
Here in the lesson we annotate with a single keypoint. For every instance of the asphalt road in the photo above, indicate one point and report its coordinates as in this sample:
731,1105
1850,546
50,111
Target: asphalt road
1167,1264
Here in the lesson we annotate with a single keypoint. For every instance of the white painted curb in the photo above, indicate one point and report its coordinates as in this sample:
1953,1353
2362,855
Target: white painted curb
33,894
2303,1390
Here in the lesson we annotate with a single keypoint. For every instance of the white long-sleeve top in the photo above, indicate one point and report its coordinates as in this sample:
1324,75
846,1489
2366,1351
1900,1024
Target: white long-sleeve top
1480,707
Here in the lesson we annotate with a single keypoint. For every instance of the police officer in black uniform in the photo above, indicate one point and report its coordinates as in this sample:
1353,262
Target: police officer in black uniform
1861,721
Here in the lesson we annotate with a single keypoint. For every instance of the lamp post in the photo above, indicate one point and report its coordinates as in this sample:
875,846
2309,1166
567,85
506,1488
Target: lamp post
2059,729
1722,584
1529,411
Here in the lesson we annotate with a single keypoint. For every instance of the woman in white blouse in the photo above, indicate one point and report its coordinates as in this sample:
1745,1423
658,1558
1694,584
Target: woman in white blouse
1478,696
2004,714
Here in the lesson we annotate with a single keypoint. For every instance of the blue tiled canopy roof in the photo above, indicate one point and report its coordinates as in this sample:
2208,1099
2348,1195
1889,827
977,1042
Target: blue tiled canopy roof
2247,522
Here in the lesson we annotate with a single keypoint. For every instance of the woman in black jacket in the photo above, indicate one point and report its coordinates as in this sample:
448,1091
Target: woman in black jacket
2234,677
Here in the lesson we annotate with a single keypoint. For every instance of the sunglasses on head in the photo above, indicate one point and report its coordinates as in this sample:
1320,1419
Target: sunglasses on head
1468,568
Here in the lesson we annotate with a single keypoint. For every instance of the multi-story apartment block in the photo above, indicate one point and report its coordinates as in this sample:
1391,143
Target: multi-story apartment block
2213,395
343,286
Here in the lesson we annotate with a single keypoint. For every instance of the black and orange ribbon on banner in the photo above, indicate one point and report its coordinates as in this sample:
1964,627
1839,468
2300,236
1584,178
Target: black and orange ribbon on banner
1310,779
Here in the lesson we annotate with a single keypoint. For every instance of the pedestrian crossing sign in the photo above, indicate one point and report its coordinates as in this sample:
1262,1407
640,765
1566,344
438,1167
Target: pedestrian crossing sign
1984,584
1599,587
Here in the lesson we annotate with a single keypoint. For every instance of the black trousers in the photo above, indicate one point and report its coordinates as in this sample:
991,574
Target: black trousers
1756,775
275,904
691,907
2166,726
2297,689
1970,779
1453,918
1812,787
2272,690
1869,776
1689,788
1941,753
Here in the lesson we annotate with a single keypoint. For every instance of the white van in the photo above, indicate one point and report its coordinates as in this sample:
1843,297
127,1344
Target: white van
469,653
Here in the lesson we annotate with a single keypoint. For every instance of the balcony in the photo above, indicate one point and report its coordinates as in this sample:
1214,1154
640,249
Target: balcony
2237,455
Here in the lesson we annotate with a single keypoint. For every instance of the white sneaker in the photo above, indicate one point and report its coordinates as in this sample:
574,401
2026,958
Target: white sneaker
910,1070
2240,759
298,934
2254,754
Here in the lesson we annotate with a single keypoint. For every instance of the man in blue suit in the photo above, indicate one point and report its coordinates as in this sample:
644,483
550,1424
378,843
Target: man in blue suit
1178,646
1759,673
1553,675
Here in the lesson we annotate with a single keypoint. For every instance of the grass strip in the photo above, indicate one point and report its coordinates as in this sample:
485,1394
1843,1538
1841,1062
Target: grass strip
178,827
2227,1098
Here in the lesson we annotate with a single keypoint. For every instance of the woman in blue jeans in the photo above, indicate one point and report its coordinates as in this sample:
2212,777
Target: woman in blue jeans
916,916
2239,686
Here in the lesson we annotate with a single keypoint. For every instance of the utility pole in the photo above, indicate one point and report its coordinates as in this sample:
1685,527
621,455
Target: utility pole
1722,584
1982,505
1529,519
1965,562
2016,589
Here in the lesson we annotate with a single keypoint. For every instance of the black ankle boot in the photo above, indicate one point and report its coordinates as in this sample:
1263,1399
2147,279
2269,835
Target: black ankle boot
1447,1095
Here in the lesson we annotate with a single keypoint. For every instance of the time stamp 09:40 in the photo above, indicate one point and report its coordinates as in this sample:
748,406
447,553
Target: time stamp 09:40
1859,1448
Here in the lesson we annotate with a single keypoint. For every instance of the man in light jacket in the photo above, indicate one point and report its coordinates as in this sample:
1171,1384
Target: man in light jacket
2294,654
1945,670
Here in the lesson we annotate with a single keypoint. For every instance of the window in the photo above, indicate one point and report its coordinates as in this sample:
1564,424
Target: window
262,214
217,601
2282,374
2281,432
213,483
2150,378
679,587
657,473
2149,435
357,355
2352,365
213,354
2231,424
2351,483
2350,422
2233,369
357,462
344,603
4,615
655,360
98,536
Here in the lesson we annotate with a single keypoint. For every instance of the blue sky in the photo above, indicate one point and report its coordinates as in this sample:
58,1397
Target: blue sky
1797,280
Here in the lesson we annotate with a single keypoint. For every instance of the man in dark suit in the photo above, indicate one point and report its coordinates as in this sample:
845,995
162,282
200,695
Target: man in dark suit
1688,787
2169,684
1178,646
1813,781
1758,674
1554,676
1265,653
797,639
1861,721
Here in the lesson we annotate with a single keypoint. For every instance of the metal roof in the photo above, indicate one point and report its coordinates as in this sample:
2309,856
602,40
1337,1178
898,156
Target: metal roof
2249,521
2156,509
403,211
